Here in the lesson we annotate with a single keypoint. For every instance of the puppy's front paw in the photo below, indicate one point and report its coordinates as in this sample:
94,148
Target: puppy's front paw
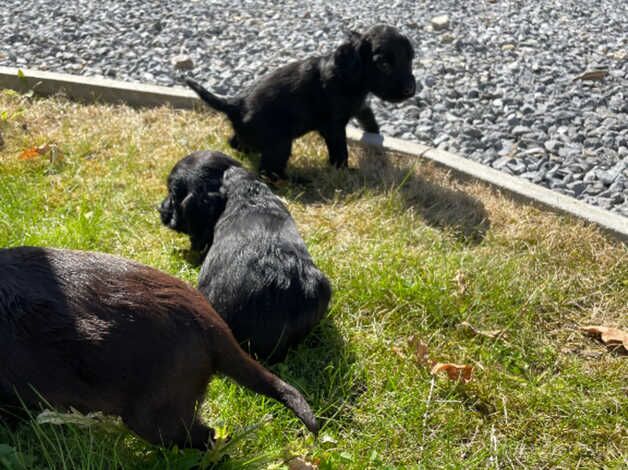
373,128
339,164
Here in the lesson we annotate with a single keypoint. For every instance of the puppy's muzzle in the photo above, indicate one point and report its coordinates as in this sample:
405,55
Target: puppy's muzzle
410,88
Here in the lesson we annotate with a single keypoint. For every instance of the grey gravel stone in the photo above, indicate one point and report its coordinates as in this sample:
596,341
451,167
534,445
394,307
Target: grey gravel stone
577,187
518,131
182,62
534,176
440,22
501,162
517,166
552,145
595,188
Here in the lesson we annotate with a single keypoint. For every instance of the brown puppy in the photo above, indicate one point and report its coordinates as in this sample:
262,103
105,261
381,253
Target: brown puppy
101,333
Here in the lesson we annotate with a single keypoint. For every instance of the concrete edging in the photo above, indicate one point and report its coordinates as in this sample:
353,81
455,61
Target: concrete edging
91,89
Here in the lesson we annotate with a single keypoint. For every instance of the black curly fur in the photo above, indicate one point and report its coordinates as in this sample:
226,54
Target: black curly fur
257,273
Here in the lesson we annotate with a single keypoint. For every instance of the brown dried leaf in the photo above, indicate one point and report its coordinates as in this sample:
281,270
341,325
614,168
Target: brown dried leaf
29,153
592,75
32,152
300,463
454,371
610,336
492,334
421,351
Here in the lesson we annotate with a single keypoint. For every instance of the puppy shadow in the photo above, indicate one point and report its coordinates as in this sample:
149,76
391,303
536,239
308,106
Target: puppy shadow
419,186
192,257
323,367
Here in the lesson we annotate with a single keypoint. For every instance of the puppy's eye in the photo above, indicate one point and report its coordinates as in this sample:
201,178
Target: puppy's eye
384,66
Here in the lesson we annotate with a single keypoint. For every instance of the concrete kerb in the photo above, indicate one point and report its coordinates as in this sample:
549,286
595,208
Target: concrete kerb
90,89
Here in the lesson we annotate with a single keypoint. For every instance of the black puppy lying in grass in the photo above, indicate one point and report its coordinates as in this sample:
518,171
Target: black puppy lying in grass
257,273
101,333
318,94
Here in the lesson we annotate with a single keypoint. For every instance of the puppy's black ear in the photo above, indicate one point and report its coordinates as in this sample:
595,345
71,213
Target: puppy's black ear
201,212
166,211
353,36
347,62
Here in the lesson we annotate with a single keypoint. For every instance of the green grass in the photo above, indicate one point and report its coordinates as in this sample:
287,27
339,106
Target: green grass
393,237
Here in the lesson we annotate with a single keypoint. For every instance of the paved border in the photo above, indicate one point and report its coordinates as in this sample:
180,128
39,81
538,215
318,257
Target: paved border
90,89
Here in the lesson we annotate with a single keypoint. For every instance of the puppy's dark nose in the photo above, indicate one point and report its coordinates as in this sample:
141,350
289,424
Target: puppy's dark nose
410,88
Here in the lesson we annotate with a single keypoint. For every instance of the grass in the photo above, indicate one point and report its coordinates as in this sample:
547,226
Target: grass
411,252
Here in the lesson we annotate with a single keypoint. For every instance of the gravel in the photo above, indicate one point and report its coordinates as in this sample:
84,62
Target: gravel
498,77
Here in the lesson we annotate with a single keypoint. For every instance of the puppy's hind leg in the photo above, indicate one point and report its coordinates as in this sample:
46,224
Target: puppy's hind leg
336,140
274,159
170,424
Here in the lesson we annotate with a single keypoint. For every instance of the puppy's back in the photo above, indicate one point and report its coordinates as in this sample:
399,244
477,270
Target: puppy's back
258,273
92,330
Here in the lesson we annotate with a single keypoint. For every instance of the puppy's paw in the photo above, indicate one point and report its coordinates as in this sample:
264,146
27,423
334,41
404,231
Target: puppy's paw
373,128
340,164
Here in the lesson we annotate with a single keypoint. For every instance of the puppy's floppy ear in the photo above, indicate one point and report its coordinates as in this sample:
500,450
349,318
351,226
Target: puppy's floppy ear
347,62
201,212
166,211
353,36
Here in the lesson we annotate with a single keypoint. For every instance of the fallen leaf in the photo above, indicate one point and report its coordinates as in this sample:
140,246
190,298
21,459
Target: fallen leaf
454,371
327,439
422,357
421,351
73,417
610,336
77,418
299,463
29,153
461,281
32,152
592,75
492,334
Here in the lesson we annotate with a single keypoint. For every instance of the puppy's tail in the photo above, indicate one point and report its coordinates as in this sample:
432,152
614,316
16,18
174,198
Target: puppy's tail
224,105
235,363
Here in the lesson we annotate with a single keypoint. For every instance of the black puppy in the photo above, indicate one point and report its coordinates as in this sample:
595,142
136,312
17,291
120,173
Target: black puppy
318,94
257,273
101,333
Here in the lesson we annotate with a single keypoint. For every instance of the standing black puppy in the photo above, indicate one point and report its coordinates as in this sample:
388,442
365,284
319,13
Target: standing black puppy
318,94
257,273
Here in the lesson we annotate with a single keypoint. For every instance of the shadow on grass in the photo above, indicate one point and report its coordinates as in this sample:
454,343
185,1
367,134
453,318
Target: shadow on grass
192,257
440,207
324,368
